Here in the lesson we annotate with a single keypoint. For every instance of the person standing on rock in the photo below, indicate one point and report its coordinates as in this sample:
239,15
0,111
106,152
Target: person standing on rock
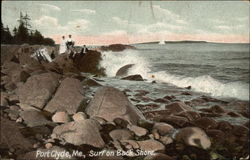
70,43
62,46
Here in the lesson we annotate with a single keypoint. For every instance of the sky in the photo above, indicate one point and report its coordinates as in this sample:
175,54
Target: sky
109,22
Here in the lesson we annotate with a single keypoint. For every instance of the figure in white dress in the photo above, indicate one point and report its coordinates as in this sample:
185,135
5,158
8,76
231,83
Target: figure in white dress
63,46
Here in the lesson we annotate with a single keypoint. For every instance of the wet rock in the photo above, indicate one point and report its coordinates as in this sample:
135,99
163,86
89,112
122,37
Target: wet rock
133,143
34,118
151,145
91,82
60,117
175,121
190,115
205,123
110,103
193,136
38,89
224,126
121,134
80,132
233,114
161,100
135,77
4,99
147,107
177,107
240,130
11,137
79,116
158,156
186,93
19,76
145,124
139,131
216,134
68,97
123,71
158,113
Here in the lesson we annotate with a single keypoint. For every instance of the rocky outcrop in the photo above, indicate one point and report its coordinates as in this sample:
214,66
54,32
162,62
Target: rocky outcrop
80,132
110,103
123,71
34,118
38,89
116,47
68,97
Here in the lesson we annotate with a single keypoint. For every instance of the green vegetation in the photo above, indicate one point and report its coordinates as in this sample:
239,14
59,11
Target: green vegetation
23,34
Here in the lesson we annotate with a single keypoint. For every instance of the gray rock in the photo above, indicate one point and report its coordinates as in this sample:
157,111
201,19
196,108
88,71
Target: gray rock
121,134
151,145
80,132
123,71
33,118
110,103
79,116
68,97
163,128
38,89
177,107
139,131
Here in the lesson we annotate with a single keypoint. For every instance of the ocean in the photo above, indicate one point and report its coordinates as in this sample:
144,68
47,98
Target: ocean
214,69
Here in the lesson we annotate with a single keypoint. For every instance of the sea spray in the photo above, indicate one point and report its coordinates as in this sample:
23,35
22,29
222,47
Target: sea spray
113,61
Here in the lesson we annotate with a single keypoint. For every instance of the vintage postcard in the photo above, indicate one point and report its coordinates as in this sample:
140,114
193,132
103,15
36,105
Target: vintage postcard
124,80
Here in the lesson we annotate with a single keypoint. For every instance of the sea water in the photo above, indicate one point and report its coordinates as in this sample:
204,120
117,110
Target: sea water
215,69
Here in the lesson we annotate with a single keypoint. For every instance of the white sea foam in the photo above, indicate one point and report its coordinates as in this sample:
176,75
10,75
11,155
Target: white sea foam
113,61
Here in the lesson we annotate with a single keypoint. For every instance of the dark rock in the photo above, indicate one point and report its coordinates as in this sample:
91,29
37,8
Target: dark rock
38,89
176,121
161,100
233,114
116,47
216,134
145,124
110,103
186,93
177,107
135,77
34,118
123,71
91,82
205,123
190,115
224,126
158,156
121,123
240,130
68,97
11,137
163,128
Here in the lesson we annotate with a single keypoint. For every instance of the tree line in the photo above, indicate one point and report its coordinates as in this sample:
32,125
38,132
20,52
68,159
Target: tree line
23,33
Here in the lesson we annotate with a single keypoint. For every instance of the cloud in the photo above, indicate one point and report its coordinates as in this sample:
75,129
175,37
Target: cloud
50,25
49,6
120,21
85,11
115,33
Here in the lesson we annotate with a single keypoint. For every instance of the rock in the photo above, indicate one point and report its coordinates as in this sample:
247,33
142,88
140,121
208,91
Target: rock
48,145
80,132
205,123
151,145
218,109
33,118
240,130
163,128
218,135
139,131
121,123
175,121
91,82
11,137
193,136
166,140
158,156
177,107
79,116
110,103
190,115
133,143
19,76
68,97
161,100
116,47
121,134
60,117
38,89
123,71
224,126
233,114
135,77
4,99
146,124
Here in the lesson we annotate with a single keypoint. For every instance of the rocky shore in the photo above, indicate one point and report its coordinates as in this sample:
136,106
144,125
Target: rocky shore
62,110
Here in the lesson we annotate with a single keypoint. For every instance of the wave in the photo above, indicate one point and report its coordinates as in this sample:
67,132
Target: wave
113,61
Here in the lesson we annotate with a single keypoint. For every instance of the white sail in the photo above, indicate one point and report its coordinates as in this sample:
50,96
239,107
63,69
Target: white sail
162,42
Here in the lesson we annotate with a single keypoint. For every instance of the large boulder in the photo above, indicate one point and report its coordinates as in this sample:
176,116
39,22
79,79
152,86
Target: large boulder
38,89
151,145
110,103
34,118
177,107
68,97
123,71
135,77
80,132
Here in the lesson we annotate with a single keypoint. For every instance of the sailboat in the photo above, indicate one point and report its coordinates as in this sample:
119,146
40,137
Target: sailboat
162,42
